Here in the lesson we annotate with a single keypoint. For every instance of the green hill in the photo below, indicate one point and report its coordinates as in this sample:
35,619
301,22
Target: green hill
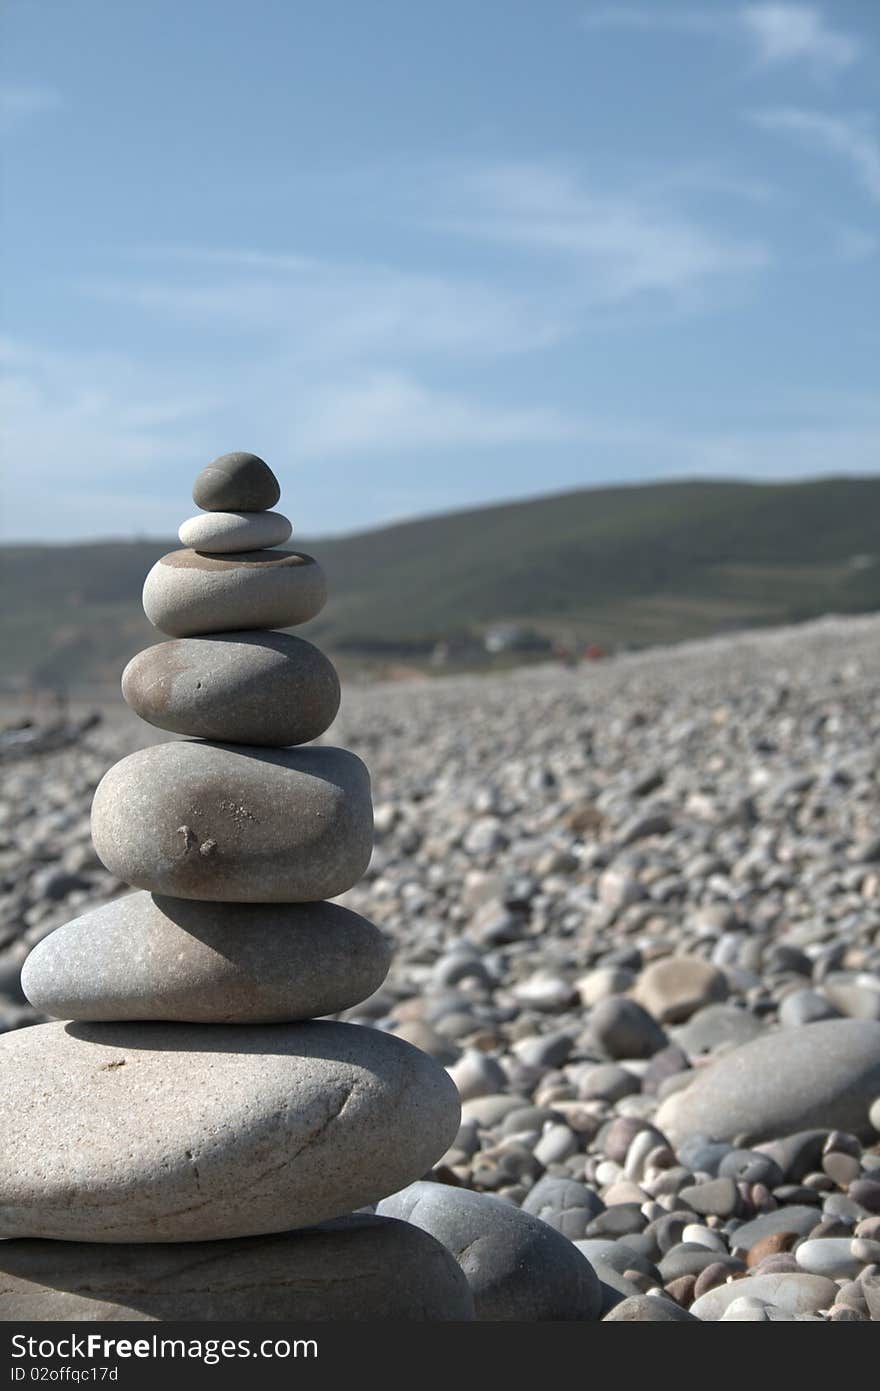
630,565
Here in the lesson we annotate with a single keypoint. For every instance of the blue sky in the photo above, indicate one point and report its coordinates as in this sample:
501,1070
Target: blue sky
421,257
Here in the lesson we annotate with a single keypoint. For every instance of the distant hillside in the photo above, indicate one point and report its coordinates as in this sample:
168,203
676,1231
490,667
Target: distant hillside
633,565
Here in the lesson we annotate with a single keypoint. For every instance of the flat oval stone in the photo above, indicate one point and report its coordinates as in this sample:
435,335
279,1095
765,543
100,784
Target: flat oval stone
146,957
518,1268
822,1074
194,1132
241,688
219,532
392,1271
237,482
831,1256
187,593
228,823
794,1220
792,1293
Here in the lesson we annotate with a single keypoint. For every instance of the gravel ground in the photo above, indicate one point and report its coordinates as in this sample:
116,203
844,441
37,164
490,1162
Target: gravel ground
636,912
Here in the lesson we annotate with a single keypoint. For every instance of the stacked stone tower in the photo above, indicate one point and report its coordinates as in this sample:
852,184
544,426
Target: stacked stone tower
198,1097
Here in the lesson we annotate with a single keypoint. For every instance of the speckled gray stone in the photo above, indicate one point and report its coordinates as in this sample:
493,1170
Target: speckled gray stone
235,824
187,593
392,1271
822,1074
237,482
193,1132
218,533
145,957
242,688
518,1268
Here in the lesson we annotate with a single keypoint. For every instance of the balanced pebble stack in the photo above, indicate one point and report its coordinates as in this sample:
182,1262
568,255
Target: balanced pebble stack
169,1146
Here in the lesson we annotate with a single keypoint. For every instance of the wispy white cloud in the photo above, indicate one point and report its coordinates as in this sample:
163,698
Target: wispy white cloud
19,101
84,438
622,245
849,138
776,34
789,33
835,447
105,446
385,412
102,445
325,310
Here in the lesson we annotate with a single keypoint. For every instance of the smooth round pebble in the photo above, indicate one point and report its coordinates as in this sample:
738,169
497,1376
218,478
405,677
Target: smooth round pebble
675,987
145,957
259,688
187,594
217,533
821,1074
518,1268
237,482
791,1293
231,823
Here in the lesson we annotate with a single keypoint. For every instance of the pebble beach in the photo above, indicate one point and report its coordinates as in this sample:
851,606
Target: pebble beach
635,914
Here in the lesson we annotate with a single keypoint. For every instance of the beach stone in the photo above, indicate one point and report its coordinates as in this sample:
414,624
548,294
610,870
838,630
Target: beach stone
746,1310
717,1197
874,1114
231,823
187,593
237,482
618,1255
871,1290
749,1166
692,1259
393,1271
250,1131
489,1111
620,1219
624,1029
648,1308
793,1293
866,1192
146,957
607,1082
806,1007
217,533
717,1026
774,1244
238,688
518,1268
564,1204
675,987
831,1256
477,1074
824,1073
797,1154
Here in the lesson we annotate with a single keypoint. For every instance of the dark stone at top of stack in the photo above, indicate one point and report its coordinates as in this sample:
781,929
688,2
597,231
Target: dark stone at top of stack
236,483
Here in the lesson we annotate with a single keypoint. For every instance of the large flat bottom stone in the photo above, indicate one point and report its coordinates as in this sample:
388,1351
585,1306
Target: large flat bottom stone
356,1268
196,1132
